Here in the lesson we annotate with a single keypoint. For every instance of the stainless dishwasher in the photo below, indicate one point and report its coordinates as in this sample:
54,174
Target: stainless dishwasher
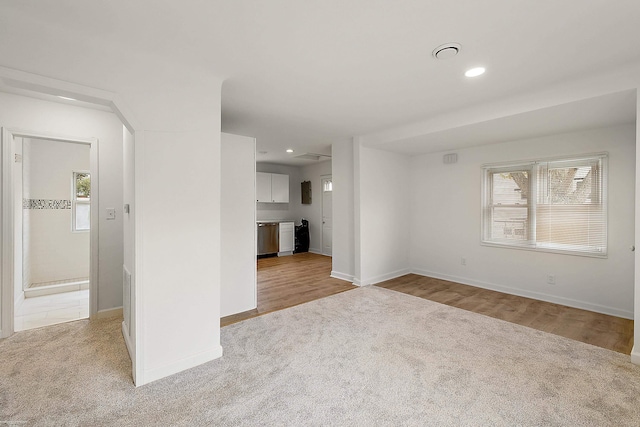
268,238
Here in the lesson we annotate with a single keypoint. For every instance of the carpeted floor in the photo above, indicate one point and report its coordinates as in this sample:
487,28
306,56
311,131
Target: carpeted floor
364,357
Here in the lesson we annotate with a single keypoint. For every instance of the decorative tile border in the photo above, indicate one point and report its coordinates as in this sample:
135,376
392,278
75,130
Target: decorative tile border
45,204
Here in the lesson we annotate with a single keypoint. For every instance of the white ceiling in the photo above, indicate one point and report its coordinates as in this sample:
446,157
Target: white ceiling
608,110
305,74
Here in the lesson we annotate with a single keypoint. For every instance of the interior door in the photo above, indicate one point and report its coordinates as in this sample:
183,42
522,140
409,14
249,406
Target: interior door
327,209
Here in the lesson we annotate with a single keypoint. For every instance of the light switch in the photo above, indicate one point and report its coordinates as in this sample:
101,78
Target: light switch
111,213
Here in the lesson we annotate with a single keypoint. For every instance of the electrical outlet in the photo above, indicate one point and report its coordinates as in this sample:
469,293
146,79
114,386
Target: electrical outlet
551,279
111,213
463,261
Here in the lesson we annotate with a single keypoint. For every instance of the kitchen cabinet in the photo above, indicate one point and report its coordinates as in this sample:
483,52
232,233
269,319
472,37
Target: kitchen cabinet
286,238
280,188
272,187
263,187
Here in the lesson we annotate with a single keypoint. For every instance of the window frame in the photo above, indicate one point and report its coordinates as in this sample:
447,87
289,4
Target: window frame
75,201
535,167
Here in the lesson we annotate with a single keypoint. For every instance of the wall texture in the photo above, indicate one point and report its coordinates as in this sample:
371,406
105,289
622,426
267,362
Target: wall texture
343,238
20,112
281,211
384,213
445,225
313,212
57,253
238,290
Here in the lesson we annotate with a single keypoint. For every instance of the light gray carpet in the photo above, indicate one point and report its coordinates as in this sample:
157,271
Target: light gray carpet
365,357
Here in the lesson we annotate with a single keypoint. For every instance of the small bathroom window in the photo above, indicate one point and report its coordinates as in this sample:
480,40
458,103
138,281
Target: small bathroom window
81,201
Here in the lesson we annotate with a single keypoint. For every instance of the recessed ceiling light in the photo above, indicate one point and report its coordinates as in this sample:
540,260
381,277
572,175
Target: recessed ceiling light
475,72
66,97
289,150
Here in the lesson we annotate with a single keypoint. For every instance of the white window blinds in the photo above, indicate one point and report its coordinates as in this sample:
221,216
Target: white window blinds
555,205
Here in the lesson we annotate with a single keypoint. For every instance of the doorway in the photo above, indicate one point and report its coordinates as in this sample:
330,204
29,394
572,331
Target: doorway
327,221
52,225
52,204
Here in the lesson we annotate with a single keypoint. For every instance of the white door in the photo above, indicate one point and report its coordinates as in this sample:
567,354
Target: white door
327,208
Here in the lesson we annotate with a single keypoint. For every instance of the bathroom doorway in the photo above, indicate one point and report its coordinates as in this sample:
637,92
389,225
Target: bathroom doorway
52,231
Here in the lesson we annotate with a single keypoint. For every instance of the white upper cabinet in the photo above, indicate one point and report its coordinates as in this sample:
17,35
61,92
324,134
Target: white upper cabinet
279,188
272,187
263,187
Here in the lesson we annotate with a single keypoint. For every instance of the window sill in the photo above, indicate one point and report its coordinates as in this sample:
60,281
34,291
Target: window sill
529,247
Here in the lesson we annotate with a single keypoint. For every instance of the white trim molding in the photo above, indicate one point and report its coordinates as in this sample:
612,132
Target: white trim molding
109,313
342,276
611,311
7,231
635,356
386,276
179,366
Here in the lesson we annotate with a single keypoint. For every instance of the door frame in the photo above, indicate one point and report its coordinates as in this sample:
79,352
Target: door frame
7,231
322,178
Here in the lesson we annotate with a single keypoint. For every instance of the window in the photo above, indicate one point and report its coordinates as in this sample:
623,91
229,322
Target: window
554,205
81,201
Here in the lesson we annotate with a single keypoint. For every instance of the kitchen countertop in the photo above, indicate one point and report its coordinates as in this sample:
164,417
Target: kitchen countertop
275,220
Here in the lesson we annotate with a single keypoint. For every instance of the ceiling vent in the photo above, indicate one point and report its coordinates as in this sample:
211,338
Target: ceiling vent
313,156
447,50
450,158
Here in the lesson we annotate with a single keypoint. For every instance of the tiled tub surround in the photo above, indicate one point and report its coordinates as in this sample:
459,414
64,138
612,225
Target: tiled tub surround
56,254
46,204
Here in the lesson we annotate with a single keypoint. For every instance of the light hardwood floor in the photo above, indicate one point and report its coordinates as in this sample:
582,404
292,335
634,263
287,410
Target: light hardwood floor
604,331
291,280
287,281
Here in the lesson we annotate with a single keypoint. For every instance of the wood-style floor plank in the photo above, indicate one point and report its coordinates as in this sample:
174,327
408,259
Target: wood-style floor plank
613,333
291,280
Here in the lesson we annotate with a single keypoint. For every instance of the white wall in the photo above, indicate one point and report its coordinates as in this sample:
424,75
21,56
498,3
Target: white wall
238,288
18,261
56,251
445,225
384,214
343,239
35,115
281,211
128,225
313,212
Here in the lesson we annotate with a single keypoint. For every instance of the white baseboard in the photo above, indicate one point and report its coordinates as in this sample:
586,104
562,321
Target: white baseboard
611,311
387,276
635,357
357,281
315,251
58,288
342,276
154,374
109,313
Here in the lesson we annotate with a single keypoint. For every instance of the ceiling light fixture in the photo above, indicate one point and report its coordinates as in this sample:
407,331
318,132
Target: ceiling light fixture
289,150
66,97
475,72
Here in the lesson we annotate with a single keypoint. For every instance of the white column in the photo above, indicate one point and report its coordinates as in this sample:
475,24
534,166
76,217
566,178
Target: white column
635,353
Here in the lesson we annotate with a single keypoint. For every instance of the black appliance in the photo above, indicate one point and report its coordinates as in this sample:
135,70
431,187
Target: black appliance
302,237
